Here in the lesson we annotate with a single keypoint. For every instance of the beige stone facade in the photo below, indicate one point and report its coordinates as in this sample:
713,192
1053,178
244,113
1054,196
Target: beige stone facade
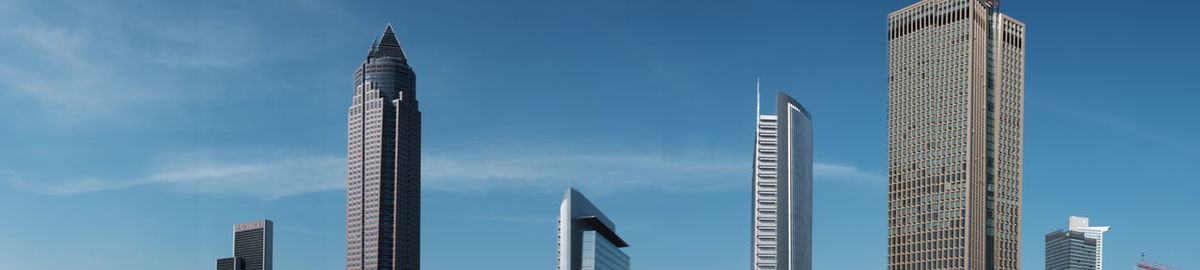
955,123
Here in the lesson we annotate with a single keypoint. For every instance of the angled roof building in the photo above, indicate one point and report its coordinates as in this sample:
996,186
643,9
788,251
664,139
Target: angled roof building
587,239
1080,224
781,229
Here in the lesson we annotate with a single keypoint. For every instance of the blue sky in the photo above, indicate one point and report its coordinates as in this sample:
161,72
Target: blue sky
136,133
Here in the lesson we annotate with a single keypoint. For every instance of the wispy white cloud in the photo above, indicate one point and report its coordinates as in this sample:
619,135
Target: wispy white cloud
596,171
58,73
847,174
59,43
96,63
250,174
266,175
273,175
606,171
64,186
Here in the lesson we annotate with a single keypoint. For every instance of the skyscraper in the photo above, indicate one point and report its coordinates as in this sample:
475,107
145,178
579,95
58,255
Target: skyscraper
782,191
1070,250
383,197
587,239
252,247
1080,224
956,92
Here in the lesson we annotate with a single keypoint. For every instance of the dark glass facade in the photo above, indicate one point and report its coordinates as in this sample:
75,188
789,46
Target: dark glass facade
229,264
598,253
252,247
1070,250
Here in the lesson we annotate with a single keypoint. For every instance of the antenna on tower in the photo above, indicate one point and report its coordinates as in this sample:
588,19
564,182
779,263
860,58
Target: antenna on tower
757,98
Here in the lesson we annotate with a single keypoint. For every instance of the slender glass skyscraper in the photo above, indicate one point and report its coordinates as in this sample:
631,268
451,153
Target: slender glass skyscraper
383,197
782,198
956,98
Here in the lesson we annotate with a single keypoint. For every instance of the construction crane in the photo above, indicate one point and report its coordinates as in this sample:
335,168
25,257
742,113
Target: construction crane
1152,265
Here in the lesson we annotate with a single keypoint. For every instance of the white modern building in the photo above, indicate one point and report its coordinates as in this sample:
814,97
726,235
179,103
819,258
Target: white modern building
1080,224
782,192
587,239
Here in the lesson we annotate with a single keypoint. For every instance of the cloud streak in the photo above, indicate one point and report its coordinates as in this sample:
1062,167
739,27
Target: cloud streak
274,175
607,171
259,175
91,63
594,171
847,174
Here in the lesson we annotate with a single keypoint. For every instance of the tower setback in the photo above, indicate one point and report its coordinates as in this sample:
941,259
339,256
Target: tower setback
383,196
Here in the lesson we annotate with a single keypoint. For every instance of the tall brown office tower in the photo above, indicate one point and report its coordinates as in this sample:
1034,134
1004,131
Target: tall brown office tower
383,196
956,91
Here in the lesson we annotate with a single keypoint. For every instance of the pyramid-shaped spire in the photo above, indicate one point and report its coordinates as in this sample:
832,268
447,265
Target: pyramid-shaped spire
387,46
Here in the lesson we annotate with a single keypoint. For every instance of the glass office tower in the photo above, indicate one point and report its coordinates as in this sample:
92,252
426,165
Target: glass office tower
587,239
782,189
1070,250
252,247
1080,224
232,263
383,196
956,95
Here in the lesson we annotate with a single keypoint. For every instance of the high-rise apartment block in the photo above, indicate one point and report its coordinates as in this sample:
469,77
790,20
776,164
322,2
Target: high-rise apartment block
956,89
383,197
587,239
252,247
1070,250
782,188
1080,224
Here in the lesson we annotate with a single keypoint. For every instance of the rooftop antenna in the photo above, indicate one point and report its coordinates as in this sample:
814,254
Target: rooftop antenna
757,121
757,98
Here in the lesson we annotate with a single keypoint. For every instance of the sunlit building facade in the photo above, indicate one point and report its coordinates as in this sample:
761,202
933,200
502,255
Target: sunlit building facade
955,136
